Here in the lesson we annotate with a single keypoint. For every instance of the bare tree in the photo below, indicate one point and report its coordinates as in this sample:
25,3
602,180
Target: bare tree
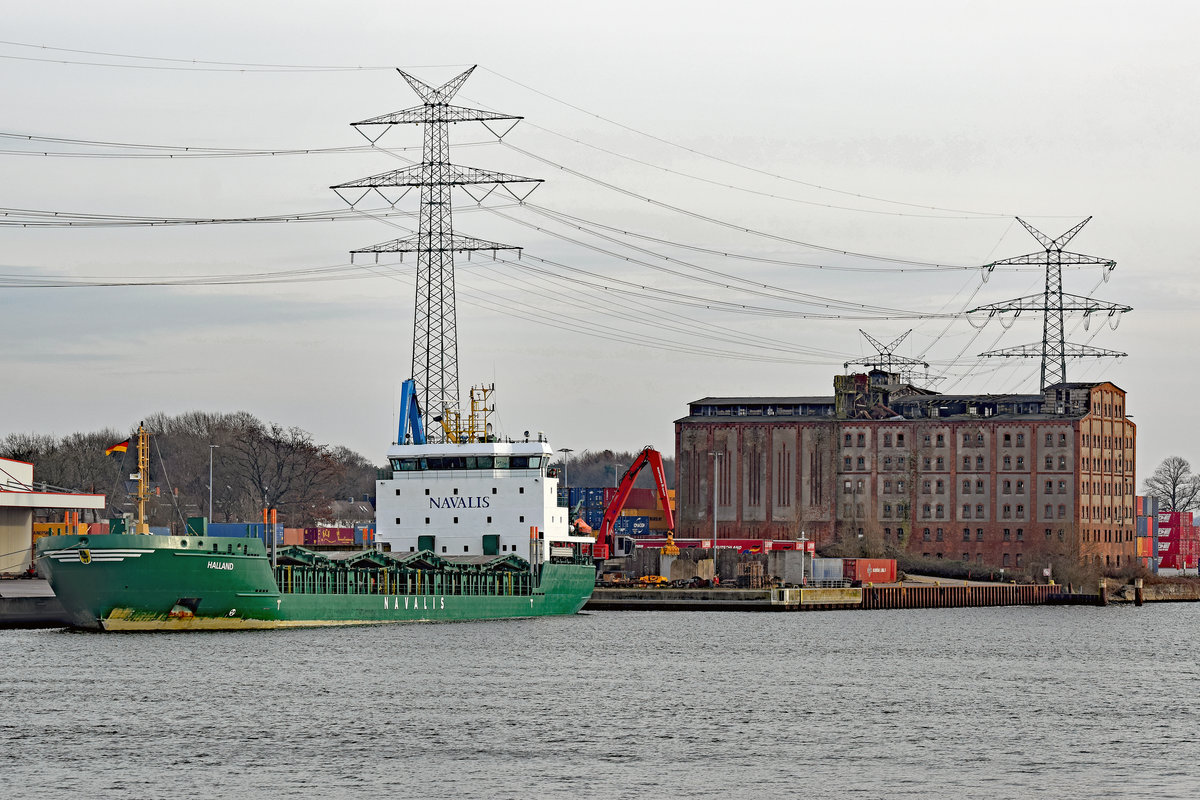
1173,483
605,468
285,470
253,466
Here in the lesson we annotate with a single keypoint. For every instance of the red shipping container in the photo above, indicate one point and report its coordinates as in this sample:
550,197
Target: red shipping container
335,536
869,570
640,498
609,493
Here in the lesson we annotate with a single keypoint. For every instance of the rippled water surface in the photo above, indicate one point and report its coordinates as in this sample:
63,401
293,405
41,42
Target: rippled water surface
993,702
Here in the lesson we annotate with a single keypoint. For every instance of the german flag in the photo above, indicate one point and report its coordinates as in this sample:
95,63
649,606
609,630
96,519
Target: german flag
121,447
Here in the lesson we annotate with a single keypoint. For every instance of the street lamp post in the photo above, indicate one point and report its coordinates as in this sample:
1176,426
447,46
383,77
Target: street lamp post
568,451
716,455
211,447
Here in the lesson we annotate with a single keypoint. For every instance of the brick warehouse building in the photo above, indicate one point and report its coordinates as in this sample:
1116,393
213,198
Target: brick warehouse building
997,480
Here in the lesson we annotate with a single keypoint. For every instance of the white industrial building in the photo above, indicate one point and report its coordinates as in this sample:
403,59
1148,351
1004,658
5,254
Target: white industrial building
19,496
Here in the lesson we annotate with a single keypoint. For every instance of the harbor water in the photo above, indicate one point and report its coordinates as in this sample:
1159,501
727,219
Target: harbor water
1064,702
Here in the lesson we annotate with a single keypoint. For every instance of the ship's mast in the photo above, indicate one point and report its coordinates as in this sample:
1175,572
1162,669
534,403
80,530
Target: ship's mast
143,490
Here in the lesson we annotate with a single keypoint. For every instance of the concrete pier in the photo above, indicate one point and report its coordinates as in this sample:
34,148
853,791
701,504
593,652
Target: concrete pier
30,604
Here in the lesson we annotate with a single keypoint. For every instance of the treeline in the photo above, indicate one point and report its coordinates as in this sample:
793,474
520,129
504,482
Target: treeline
255,465
606,468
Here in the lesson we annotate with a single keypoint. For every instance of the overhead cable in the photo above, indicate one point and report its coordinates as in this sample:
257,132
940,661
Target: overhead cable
737,164
713,220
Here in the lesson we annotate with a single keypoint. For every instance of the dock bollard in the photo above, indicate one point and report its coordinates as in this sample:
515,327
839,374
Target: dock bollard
1103,596
1138,595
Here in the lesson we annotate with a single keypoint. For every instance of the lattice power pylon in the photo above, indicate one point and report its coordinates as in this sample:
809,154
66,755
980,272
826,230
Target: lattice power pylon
1053,303
435,338
885,358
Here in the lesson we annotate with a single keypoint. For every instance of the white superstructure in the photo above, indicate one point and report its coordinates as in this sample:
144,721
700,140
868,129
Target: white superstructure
480,498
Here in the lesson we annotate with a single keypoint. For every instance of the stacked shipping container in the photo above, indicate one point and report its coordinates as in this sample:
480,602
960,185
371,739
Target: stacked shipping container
1146,528
1178,540
642,515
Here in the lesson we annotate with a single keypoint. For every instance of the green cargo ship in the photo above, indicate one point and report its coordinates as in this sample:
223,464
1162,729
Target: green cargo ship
132,582
466,497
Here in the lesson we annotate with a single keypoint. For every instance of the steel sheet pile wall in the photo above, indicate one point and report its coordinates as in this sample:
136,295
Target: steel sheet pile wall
958,596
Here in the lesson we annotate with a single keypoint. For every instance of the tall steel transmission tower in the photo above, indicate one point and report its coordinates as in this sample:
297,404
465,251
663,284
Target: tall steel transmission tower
1053,303
435,337
886,359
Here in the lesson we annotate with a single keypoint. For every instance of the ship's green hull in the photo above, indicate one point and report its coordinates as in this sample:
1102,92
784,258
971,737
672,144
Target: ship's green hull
132,582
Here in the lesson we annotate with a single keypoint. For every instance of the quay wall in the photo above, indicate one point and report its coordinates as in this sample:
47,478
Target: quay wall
1158,593
958,596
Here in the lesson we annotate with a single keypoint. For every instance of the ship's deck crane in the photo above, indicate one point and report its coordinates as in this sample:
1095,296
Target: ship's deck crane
650,456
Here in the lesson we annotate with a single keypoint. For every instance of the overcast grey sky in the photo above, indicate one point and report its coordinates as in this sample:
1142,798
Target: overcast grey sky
908,130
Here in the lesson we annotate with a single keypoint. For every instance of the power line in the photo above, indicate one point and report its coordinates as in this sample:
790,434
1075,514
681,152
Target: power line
713,220
185,151
237,151
234,66
561,216
205,66
737,164
757,192
685,299
774,293
300,275
40,218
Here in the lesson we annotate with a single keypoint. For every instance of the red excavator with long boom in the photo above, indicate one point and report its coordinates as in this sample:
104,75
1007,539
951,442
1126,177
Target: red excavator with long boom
605,541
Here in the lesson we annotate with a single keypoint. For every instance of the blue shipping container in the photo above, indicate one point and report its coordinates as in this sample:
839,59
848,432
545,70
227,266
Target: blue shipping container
827,569
244,529
229,529
564,497
594,498
593,516
574,496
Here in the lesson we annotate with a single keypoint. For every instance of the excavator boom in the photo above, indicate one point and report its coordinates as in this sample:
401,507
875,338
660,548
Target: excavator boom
648,456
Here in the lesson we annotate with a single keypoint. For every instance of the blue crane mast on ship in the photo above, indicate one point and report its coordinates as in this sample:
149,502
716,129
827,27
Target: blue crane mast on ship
433,392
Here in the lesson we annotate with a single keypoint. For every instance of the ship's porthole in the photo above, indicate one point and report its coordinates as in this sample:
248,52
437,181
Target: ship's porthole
183,542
